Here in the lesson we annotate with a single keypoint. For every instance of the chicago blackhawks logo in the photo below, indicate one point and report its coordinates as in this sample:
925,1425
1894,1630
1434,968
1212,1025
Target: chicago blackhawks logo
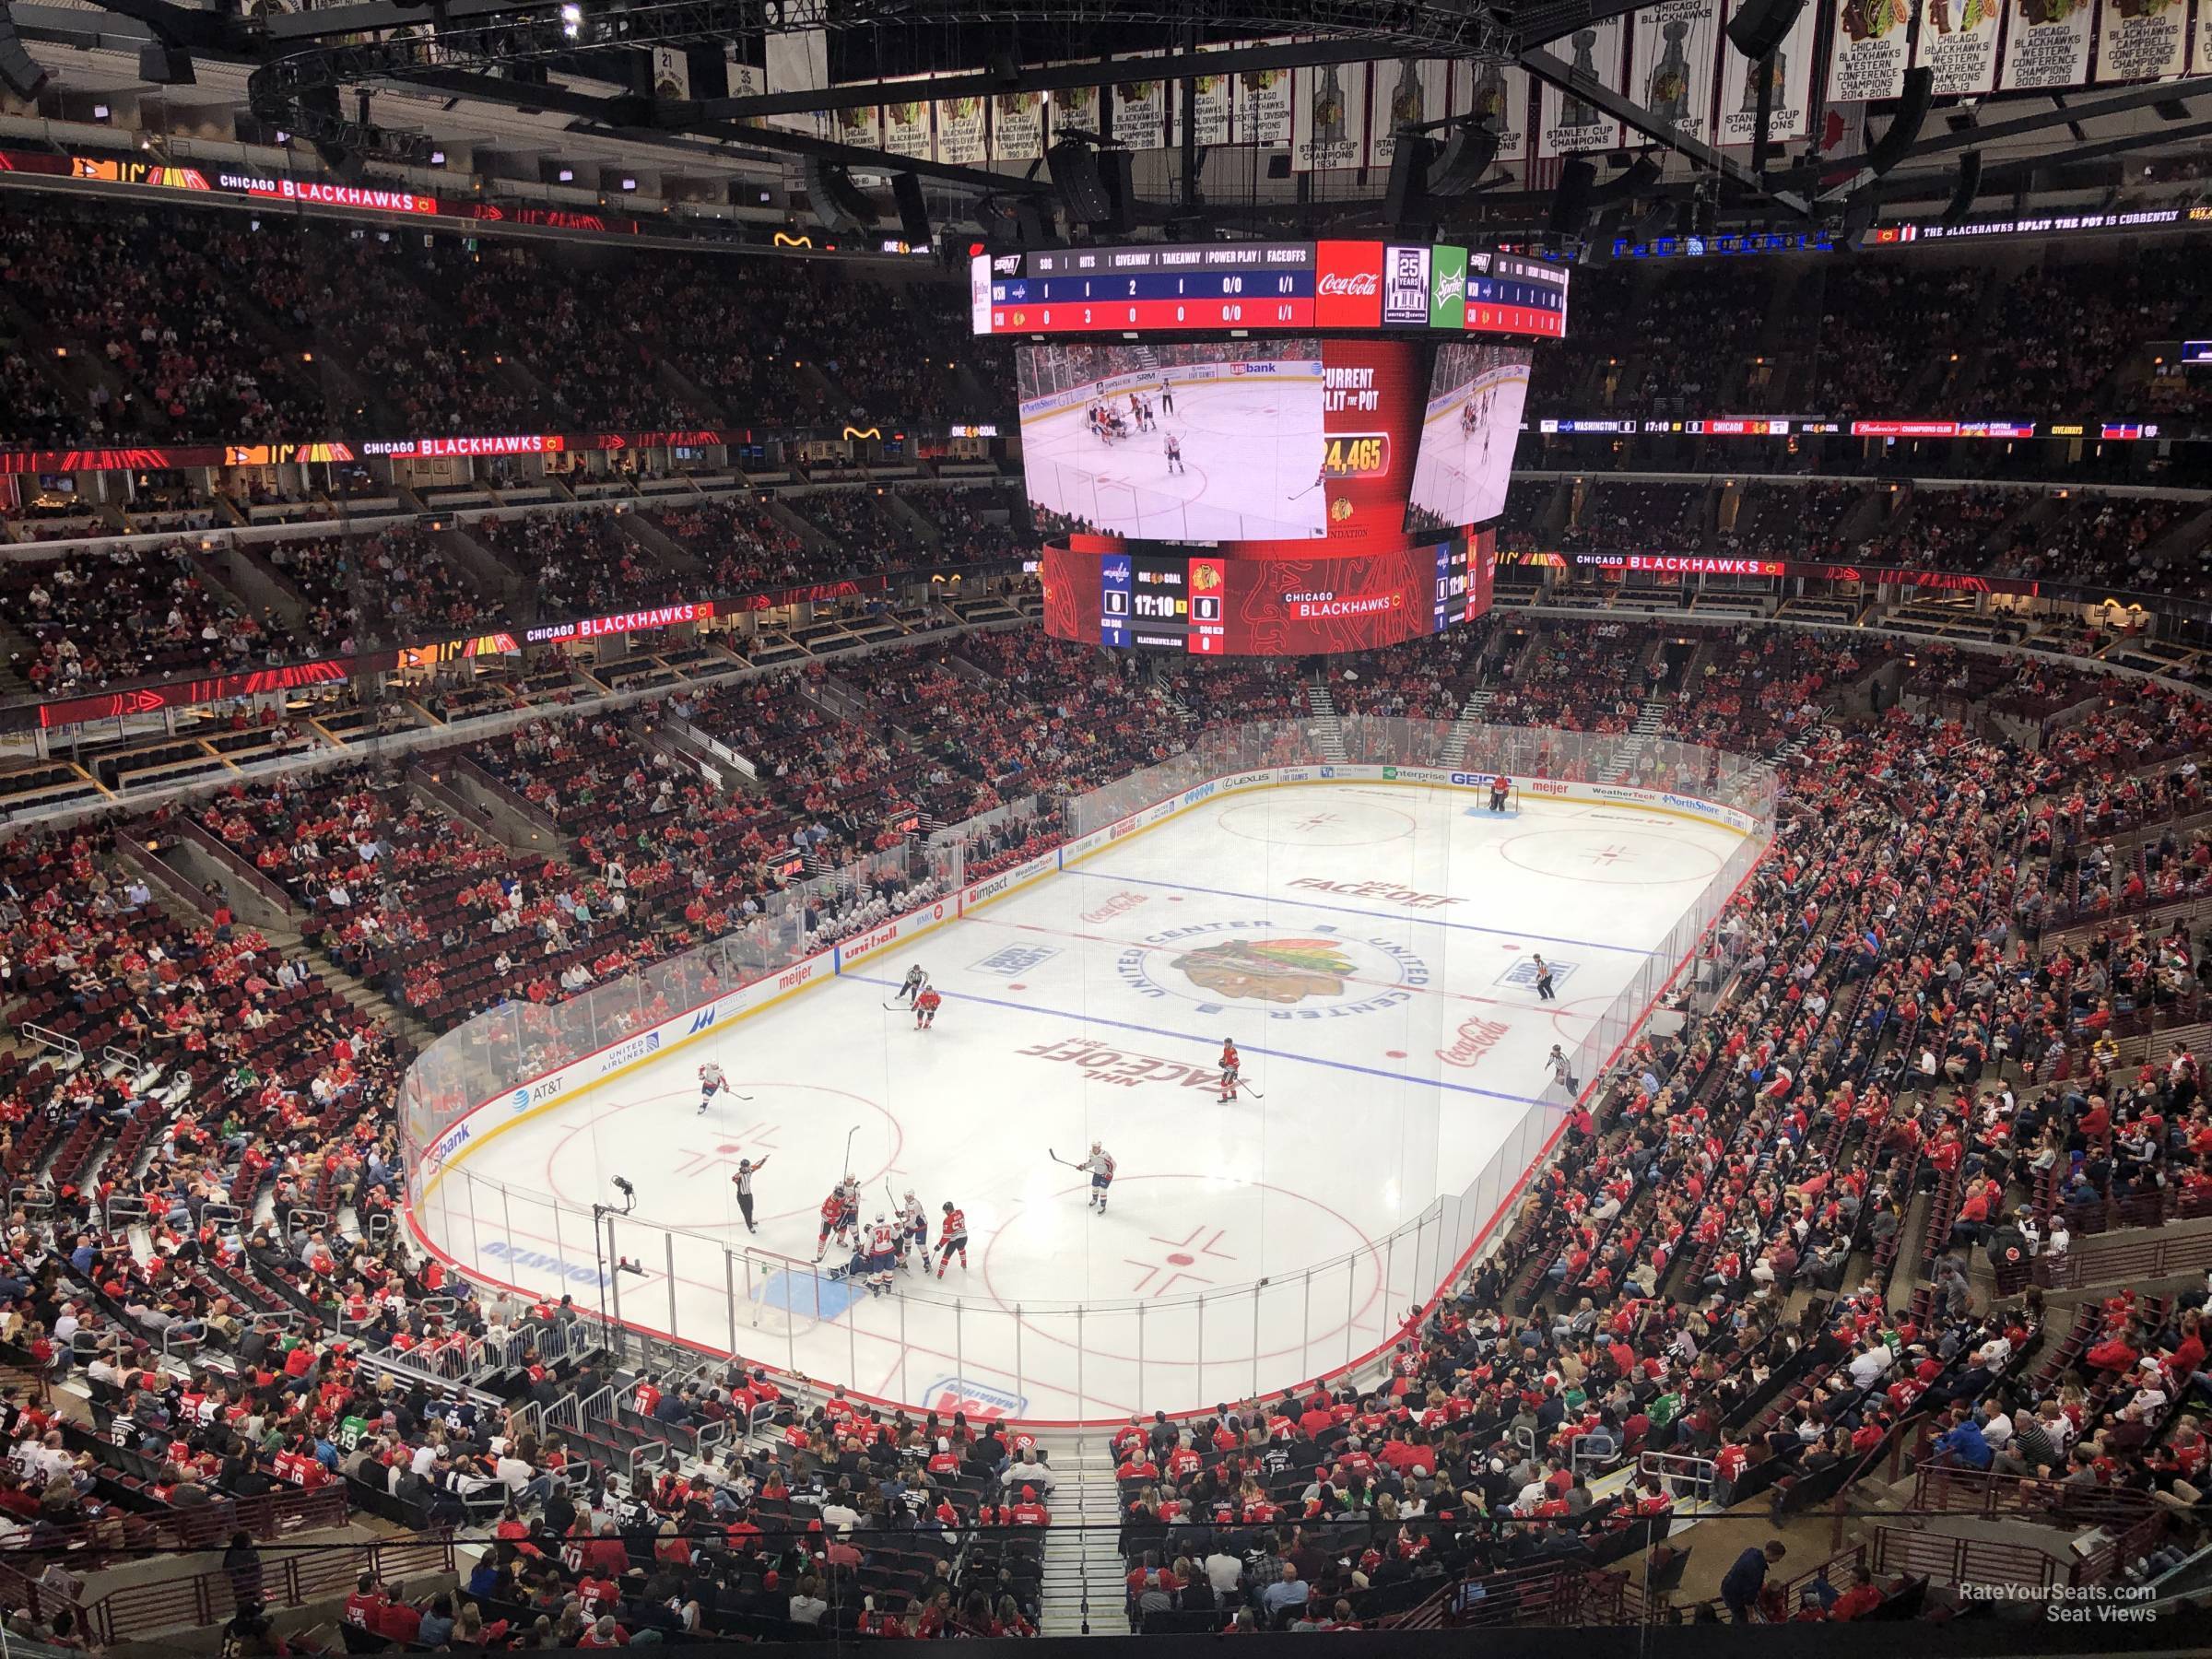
1275,970
1322,974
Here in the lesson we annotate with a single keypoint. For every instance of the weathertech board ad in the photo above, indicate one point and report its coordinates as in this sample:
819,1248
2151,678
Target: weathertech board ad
1274,604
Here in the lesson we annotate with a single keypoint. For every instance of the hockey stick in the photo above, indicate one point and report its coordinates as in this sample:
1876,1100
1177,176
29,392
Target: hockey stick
849,1135
1308,490
1244,1088
897,1007
1058,1160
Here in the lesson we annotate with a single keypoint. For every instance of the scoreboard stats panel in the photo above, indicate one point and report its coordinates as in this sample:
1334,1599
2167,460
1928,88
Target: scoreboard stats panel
1266,287
1265,604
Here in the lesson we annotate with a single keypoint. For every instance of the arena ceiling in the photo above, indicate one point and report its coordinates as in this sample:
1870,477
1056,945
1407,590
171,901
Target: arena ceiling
712,97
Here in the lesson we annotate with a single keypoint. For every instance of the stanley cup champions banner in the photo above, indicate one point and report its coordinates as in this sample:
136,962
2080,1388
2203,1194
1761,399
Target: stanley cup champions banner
1790,77
1408,92
1672,58
1569,125
1498,95
1328,117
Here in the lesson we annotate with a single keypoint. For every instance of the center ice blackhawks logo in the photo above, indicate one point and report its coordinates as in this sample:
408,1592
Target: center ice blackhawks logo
1276,970
1322,975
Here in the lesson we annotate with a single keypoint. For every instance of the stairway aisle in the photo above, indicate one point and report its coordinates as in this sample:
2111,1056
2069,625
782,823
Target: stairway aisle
1650,722
1082,1590
1474,711
1328,729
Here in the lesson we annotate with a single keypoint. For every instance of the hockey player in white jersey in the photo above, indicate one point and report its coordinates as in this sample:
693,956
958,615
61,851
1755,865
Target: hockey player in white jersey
913,1232
883,1251
711,1083
1101,1165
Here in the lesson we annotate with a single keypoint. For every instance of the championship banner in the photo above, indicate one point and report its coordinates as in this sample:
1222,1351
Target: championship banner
1867,60
960,140
1959,43
861,125
2046,44
1328,117
1790,108
1567,126
1673,50
906,122
1074,109
1260,107
1408,91
1017,126
1204,103
1498,94
2141,39
2200,60
1140,108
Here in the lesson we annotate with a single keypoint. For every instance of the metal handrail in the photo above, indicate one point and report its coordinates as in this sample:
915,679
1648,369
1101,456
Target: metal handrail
54,1039
1671,1466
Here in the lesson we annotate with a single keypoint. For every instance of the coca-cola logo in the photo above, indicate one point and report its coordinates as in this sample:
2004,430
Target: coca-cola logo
1476,1037
1360,285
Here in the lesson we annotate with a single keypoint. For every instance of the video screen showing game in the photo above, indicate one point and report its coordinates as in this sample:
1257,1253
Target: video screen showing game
1179,442
1468,431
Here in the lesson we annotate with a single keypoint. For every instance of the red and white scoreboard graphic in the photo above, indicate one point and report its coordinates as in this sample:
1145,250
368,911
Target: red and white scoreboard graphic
1278,599
1266,287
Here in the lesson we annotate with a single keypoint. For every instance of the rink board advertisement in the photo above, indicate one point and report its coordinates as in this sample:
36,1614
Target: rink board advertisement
526,1098
1284,602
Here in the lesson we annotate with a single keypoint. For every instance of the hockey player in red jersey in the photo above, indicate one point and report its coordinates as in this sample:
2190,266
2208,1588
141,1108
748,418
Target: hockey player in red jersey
1231,1062
840,1215
925,1007
953,1237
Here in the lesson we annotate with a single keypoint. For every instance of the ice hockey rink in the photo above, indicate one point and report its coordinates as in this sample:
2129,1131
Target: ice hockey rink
1252,453
1369,949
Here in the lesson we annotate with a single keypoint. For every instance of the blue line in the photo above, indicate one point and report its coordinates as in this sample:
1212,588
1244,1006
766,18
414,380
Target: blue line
1345,910
1125,1025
